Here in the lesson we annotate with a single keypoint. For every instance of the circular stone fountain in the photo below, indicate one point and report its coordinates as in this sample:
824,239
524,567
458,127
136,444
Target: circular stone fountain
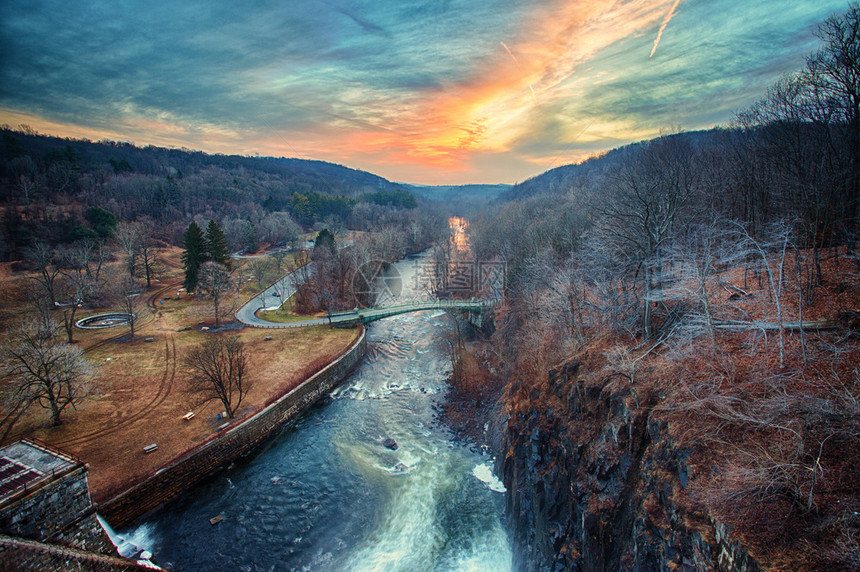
105,321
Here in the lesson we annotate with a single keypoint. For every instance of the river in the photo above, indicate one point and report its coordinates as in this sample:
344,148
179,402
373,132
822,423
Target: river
328,495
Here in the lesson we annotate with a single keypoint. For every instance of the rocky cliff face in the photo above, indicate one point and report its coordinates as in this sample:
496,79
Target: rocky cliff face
595,483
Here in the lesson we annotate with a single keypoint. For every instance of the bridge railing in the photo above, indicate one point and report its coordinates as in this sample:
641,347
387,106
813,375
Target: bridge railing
435,304
370,314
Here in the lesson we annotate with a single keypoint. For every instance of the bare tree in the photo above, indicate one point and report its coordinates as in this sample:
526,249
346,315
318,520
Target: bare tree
128,237
220,365
86,255
696,259
45,370
46,266
216,281
800,152
641,217
279,257
279,227
41,306
127,294
76,288
148,251
834,75
239,269
259,267
302,271
774,270
806,132
28,188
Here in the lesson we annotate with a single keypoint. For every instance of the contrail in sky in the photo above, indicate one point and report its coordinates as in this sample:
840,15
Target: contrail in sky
510,53
665,23
513,57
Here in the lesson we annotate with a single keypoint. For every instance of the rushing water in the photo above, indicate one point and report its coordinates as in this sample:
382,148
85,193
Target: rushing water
328,495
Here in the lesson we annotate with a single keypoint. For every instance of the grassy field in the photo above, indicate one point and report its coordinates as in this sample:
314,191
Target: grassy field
284,314
140,395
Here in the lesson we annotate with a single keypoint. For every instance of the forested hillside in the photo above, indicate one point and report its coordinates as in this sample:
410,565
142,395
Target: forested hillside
695,299
47,184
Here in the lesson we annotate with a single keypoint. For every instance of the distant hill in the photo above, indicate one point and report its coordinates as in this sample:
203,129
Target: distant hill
454,192
48,183
352,177
126,158
562,179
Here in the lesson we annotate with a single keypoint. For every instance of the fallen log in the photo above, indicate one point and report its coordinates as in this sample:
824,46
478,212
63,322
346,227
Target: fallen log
770,326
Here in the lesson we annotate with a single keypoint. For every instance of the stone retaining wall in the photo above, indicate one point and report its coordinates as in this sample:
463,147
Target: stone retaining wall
235,441
19,554
60,512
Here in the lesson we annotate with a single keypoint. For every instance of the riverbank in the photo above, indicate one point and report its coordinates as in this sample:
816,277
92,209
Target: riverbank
139,396
472,403
231,441
370,481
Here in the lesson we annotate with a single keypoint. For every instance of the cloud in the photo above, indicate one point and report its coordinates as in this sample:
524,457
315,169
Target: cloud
663,24
366,25
414,86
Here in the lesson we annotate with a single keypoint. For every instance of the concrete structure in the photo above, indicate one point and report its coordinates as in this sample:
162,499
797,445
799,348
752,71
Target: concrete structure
47,518
475,310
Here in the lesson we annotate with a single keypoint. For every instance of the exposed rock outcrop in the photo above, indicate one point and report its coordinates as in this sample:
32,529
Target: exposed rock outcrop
595,483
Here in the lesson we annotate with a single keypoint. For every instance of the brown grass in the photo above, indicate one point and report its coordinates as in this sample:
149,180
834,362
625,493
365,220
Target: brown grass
140,396
775,447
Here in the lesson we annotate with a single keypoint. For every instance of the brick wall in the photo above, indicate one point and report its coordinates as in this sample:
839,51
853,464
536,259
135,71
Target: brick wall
235,441
61,512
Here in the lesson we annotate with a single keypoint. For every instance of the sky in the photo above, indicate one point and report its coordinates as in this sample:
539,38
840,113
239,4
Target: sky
417,91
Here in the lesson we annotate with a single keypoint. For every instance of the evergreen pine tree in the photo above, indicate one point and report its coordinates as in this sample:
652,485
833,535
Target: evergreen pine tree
324,244
216,244
249,236
195,254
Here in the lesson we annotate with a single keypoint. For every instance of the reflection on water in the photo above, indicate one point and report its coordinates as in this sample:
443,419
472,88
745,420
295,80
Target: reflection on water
459,240
329,495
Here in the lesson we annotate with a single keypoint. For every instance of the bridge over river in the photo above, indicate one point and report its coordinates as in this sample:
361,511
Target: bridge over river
474,308
332,494
272,297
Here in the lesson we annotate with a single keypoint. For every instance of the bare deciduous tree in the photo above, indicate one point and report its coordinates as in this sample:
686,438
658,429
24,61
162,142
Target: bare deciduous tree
239,269
141,250
220,365
259,267
76,288
641,217
279,257
42,369
148,251
127,294
215,279
127,236
47,268
86,255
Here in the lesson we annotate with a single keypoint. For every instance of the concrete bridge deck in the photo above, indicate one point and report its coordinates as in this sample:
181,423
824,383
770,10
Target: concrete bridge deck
281,290
367,315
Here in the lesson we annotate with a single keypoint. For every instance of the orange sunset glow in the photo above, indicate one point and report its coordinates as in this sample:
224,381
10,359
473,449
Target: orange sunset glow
418,92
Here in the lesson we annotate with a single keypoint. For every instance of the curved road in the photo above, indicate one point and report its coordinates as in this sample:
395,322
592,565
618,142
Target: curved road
286,286
266,299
